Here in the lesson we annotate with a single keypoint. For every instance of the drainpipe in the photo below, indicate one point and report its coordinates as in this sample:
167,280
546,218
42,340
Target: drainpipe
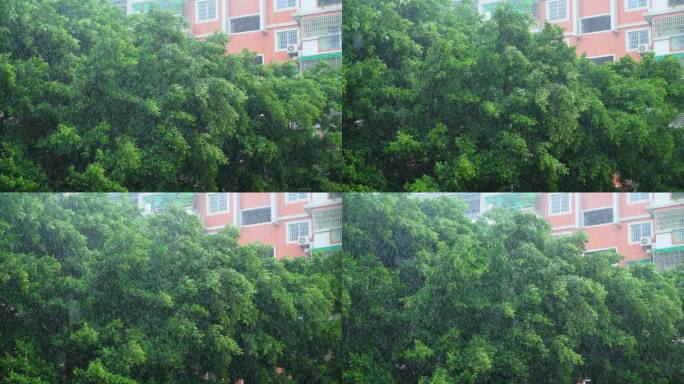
226,22
236,209
576,26
578,210
616,208
613,15
262,15
274,208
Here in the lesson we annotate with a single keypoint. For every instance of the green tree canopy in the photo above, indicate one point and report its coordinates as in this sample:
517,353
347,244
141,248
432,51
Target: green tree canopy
91,99
94,292
432,297
438,99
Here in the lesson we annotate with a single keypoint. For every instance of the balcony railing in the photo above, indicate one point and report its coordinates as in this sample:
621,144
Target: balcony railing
665,27
669,219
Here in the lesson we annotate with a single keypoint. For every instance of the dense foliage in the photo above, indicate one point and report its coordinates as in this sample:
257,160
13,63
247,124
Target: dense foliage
91,99
438,99
431,297
93,292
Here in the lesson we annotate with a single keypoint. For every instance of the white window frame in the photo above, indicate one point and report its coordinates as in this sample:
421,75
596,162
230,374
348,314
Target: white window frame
632,202
584,224
251,209
629,231
551,213
276,9
197,20
591,17
548,12
209,212
230,24
287,230
288,201
263,58
627,8
648,31
275,38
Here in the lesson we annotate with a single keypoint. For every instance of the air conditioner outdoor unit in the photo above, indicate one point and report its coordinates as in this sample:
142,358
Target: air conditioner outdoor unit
643,48
292,49
645,241
303,241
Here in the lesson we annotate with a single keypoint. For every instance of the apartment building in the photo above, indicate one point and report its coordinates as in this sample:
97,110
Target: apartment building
307,31
294,224
643,227
607,30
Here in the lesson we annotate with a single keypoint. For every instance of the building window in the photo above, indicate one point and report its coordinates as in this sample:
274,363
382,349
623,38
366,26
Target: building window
639,231
325,219
678,43
637,38
327,43
677,195
668,260
259,60
557,10
596,24
218,202
635,4
678,235
245,24
336,235
284,4
315,27
285,38
603,59
296,196
560,203
206,10
297,230
598,216
638,197
256,216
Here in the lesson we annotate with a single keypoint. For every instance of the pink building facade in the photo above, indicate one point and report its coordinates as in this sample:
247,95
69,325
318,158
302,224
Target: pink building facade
294,224
642,227
607,30
307,31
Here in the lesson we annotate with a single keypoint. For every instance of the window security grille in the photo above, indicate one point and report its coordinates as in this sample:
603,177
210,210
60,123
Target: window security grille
635,197
325,219
218,202
315,27
297,230
670,219
245,24
330,42
560,202
668,26
280,4
678,43
206,10
631,4
336,235
668,260
636,38
558,10
294,196
639,231
333,62
286,38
